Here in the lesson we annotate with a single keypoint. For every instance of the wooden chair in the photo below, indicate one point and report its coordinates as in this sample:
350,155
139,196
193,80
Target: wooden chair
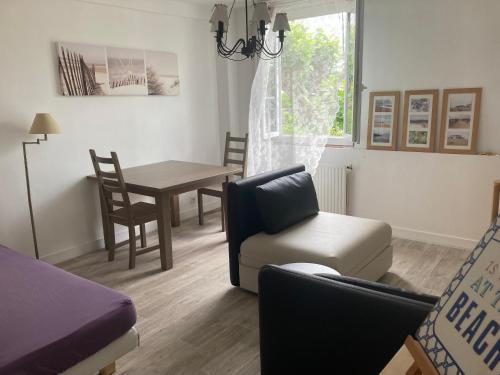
127,214
238,149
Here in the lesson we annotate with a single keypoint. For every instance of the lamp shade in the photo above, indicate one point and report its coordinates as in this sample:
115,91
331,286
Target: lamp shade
44,123
219,15
252,28
281,23
261,13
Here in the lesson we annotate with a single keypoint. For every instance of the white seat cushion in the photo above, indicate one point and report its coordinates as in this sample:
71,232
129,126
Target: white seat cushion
344,243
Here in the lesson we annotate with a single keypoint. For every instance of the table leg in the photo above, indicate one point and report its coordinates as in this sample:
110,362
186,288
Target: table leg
164,230
175,212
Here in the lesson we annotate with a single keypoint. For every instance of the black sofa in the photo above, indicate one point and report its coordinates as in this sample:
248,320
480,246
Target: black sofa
243,217
327,324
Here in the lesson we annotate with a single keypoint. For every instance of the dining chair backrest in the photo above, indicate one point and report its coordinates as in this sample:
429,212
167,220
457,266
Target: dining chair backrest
111,182
236,147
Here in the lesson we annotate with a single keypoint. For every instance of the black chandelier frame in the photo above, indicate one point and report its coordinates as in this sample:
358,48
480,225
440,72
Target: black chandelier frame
250,47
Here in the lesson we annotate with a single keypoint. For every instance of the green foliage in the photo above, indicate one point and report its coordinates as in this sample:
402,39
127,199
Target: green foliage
310,80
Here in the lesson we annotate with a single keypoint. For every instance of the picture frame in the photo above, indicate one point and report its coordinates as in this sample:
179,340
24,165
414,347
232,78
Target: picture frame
460,120
383,118
97,70
419,120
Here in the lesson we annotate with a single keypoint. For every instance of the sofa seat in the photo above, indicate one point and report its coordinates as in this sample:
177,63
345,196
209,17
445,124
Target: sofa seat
351,245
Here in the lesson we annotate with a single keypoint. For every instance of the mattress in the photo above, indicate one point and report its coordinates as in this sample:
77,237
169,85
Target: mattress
50,319
344,243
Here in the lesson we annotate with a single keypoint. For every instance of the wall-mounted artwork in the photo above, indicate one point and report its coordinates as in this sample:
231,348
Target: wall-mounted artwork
419,122
383,120
460,120
87,70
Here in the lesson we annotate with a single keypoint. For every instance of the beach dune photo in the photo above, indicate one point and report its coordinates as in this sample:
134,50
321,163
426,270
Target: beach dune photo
382,121
383,105
419,122
458,138
162,73
82,69
127,71
459,121
461,102
89,70
381,136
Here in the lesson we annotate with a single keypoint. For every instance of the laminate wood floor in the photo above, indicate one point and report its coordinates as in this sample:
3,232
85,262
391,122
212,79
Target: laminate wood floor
192,321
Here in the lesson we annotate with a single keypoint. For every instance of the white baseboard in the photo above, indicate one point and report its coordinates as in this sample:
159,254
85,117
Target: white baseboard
121,235
434,238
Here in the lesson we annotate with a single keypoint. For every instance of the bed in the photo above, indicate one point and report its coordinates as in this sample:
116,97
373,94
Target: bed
53,322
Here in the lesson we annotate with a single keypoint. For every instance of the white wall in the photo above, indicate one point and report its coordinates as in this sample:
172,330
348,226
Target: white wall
423,45
431,44
234,81
140,129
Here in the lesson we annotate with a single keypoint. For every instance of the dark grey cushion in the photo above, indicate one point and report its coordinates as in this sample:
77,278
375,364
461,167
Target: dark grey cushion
286,201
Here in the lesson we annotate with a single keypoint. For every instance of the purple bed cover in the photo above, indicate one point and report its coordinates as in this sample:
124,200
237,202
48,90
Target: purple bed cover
50,319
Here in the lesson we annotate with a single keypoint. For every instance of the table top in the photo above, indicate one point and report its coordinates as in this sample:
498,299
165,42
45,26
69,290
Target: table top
172,175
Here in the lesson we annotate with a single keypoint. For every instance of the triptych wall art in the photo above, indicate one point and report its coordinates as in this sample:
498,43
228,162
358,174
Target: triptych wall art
89,70
459,120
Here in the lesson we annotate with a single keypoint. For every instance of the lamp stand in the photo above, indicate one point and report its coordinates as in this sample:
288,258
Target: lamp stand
37,142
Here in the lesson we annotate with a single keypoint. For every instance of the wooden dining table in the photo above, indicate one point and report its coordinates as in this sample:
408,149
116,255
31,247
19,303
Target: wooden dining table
164,181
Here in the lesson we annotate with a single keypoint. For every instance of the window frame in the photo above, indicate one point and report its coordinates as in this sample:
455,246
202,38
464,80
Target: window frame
347,140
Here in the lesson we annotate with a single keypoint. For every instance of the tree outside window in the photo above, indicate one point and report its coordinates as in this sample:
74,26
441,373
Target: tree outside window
317,69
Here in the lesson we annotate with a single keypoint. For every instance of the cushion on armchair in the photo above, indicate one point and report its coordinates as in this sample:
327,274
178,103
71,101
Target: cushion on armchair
286,201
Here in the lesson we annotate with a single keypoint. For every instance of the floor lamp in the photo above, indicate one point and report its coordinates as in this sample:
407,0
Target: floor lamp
44,124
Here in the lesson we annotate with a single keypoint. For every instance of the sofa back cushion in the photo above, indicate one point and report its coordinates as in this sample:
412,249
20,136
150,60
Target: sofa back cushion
243,217
286,201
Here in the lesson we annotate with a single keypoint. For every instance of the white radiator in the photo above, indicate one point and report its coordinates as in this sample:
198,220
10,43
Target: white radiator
331,188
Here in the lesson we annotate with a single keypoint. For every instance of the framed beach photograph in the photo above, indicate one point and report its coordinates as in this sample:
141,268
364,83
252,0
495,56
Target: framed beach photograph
91,70
460,120
83,70
419,120
383,120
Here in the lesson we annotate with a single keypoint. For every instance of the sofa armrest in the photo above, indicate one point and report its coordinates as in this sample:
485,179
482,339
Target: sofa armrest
310,324
384,288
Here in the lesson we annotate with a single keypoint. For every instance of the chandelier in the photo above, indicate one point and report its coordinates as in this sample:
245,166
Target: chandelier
255,42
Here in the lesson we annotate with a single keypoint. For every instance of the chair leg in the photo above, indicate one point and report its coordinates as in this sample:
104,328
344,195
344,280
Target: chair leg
132,240
223,214
111,241
200,208
144,242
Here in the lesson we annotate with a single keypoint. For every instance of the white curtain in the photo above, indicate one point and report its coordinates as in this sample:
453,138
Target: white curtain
310,111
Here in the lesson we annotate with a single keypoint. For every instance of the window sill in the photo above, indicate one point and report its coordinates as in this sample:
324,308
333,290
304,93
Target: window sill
340,142
339,146
333,142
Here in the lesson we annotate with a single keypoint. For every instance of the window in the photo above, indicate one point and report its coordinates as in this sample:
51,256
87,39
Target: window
313,45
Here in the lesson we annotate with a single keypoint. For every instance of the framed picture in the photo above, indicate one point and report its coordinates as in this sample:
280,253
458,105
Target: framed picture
383,120
90,70
419,121
460,120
